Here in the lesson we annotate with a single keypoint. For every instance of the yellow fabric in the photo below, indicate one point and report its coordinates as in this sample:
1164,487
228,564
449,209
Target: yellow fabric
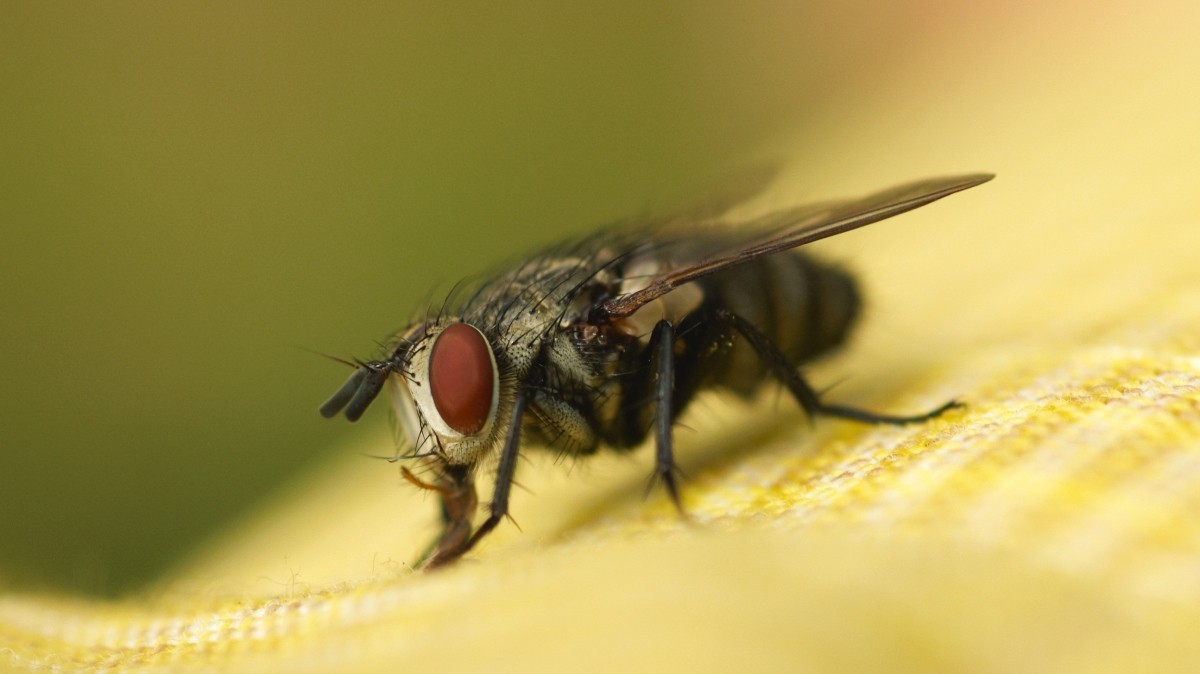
1052,525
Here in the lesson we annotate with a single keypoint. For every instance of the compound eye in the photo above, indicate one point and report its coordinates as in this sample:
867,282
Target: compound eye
462,378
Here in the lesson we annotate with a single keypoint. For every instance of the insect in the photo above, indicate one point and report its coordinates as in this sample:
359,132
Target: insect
604,341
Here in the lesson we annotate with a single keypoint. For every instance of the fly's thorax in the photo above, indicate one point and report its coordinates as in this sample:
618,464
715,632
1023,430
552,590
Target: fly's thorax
545,288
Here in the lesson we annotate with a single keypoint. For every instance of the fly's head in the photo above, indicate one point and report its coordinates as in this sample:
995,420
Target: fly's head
446,389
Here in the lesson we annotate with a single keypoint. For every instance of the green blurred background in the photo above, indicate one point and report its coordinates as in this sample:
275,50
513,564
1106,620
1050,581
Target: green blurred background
194,194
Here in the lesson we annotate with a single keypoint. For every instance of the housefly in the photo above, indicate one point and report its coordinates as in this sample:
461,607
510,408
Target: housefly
604,341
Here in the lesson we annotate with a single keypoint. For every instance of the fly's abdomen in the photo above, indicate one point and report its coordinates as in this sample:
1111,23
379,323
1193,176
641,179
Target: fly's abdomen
803,306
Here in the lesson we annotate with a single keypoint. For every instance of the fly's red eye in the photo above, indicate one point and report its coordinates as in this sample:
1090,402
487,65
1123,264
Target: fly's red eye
462,378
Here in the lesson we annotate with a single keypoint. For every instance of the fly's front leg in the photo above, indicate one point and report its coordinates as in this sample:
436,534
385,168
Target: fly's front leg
662,344
787,373
563,426
456,489
504,479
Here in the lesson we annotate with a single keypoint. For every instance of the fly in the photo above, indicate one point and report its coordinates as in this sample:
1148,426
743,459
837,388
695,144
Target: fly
604,342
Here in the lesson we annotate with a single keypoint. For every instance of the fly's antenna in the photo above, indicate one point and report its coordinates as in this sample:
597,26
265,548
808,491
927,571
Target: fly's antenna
359,391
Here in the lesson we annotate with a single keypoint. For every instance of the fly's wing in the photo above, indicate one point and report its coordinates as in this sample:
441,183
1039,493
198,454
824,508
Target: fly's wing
792,228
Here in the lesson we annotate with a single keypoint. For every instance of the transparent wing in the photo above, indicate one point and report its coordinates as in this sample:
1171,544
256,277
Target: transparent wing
792,228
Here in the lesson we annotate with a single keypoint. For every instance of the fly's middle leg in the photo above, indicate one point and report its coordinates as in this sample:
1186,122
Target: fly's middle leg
662,345
803,392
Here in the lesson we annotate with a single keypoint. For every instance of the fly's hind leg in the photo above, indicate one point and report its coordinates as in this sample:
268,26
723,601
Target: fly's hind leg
804,393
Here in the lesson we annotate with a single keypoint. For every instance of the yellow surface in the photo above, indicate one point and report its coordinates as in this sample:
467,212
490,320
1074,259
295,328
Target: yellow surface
1052,525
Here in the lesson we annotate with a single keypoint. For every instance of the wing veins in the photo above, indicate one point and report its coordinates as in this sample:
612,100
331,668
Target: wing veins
803,225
